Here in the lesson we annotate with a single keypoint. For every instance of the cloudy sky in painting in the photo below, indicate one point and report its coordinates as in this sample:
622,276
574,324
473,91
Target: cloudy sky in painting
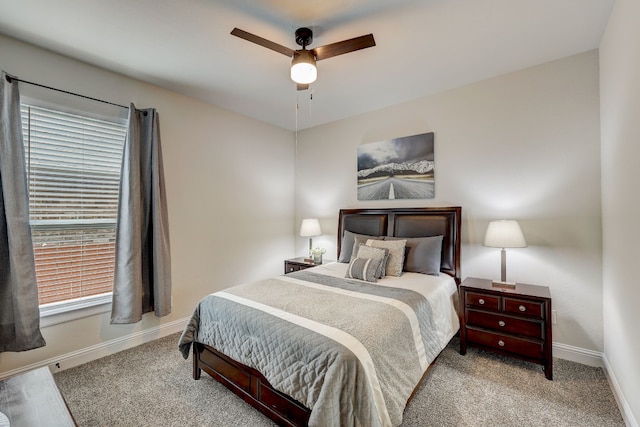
398,150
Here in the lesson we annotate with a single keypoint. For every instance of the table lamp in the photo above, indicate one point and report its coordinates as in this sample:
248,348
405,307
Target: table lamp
504,234
310,228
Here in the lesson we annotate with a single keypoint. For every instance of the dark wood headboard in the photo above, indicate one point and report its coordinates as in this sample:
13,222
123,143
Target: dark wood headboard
410,222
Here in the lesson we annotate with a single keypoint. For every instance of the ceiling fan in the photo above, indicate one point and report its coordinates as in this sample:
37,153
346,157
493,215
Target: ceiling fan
303,64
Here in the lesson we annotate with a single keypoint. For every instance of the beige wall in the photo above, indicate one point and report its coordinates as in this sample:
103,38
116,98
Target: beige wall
525,146
229,183
620,109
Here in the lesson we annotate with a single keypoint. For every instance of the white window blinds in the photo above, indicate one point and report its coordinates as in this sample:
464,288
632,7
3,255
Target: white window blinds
73,166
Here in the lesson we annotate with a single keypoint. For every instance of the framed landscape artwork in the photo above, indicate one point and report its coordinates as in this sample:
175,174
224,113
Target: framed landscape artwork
399,168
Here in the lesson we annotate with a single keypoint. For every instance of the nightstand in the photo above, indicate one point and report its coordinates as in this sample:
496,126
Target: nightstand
510,320
296,264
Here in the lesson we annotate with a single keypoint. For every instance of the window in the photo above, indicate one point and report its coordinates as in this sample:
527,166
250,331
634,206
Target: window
73,168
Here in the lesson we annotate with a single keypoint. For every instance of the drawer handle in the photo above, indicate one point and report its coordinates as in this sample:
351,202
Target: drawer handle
481,301
501,323
501,343
522,308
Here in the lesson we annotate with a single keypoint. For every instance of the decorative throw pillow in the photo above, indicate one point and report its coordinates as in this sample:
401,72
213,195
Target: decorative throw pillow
424,254
396,254
347,243
363,269
359,240
381,254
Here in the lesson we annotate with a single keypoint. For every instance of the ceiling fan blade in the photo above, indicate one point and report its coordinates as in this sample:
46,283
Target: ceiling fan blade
263,42
302,87
345,46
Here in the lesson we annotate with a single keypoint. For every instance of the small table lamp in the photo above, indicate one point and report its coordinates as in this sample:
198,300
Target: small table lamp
310,228
504,234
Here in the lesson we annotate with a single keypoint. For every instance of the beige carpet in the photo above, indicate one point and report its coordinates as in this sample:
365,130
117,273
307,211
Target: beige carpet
151,385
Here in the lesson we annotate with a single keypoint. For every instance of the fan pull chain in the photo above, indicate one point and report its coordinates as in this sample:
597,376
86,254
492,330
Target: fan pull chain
310,99
295,147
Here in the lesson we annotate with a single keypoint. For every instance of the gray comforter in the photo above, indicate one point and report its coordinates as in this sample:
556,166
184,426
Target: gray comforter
351,351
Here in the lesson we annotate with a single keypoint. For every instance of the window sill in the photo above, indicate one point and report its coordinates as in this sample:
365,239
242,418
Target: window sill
67,311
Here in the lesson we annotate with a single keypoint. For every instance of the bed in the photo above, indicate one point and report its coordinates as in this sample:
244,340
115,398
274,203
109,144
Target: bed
316,348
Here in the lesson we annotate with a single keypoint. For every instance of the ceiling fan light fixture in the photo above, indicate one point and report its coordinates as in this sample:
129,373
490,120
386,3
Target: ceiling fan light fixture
303,64
303,67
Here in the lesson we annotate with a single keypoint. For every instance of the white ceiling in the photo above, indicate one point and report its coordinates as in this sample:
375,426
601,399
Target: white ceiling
423,46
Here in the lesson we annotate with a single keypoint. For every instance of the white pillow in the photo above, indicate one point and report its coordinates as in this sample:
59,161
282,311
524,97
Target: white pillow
396,254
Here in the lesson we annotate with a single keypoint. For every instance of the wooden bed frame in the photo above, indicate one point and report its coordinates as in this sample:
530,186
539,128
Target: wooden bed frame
252,386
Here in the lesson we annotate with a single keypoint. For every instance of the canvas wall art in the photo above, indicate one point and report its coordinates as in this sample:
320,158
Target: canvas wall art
399,168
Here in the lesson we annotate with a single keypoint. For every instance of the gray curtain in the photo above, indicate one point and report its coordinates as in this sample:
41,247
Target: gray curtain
19,312
142,281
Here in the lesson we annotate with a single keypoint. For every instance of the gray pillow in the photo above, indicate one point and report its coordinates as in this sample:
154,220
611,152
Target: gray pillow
381,254
348,242
363,269
359,240
424,254
396,254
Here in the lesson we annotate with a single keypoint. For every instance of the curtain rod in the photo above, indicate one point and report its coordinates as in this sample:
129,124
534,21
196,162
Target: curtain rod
10,79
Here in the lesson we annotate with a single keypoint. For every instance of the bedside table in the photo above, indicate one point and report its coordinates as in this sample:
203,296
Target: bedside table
514,321
296,264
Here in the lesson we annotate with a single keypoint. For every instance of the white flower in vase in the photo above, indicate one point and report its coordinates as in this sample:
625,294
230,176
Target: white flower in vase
316,254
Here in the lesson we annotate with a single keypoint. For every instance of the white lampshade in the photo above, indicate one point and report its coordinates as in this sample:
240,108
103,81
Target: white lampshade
504,234
310,227
303,67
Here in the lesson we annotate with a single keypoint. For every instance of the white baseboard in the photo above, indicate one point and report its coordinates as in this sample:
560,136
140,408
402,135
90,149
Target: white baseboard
627,415
597,359
578,355
79,357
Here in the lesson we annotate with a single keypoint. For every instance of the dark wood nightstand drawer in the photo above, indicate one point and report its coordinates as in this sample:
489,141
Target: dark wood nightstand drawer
488,302
520,346
297,264
513,320
290,268
499,322
523,307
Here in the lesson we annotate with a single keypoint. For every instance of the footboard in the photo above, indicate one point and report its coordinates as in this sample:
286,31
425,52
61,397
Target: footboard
250,385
